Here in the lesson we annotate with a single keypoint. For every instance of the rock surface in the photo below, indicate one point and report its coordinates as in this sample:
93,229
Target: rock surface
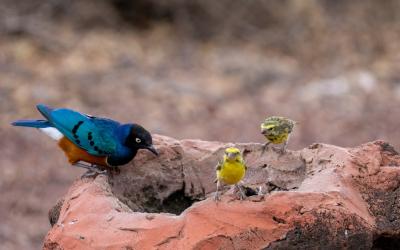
321,197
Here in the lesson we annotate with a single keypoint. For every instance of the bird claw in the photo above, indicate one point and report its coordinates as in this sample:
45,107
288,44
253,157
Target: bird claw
280,151
264,148
115,170
88,174
92,169
99,171
241,195
94,173
260,190
217,197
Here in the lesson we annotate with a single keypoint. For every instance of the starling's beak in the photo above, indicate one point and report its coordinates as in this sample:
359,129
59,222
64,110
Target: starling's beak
152,149
264,131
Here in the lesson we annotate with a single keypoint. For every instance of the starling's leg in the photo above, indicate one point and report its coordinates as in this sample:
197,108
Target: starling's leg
216,196
242,195
89,173
92,168
117,170
93,172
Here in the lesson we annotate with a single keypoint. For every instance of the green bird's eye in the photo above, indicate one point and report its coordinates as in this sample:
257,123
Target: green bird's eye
138,140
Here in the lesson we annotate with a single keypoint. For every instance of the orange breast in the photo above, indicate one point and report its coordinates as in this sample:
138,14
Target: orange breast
75,153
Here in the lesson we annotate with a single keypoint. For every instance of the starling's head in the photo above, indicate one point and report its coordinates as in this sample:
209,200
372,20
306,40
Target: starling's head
140,138
232,154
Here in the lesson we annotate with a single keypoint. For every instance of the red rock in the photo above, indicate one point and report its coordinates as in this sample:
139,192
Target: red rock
327,197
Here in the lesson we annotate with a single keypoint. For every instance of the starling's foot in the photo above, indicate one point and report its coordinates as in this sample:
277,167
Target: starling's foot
99,171
88,174
117,170
93,170
91,173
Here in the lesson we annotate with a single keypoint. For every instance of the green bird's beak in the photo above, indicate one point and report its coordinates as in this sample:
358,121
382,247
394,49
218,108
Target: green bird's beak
266,128
152,149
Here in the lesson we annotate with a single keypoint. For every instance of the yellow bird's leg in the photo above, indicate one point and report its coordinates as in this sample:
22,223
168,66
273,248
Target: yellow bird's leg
282,150
242,195
284,146
216,196
260,190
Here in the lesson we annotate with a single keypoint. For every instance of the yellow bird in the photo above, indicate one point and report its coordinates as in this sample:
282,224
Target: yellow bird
230,171
277,130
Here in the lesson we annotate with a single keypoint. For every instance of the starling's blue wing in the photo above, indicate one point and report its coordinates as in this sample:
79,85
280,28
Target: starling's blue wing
95,135
32,123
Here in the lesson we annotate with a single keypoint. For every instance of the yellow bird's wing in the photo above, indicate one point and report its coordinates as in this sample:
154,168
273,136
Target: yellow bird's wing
243,163
219,166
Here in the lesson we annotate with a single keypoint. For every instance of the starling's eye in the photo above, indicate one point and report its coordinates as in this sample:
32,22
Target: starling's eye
270,129
138,140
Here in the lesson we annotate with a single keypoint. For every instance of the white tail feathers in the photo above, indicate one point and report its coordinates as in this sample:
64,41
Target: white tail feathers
52,132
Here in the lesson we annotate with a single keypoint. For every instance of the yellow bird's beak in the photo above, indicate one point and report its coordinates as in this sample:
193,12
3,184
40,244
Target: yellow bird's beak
231,156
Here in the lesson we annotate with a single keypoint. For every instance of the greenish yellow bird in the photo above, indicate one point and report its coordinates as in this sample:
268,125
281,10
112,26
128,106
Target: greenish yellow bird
277,130
230,171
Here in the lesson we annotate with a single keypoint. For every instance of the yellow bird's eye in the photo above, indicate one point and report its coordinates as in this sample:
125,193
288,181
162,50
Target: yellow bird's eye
138,140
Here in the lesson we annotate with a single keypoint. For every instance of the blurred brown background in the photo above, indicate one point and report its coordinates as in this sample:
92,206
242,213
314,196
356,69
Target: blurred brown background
188,69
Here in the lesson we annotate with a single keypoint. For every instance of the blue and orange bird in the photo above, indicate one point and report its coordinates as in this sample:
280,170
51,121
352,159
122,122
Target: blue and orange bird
98,142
